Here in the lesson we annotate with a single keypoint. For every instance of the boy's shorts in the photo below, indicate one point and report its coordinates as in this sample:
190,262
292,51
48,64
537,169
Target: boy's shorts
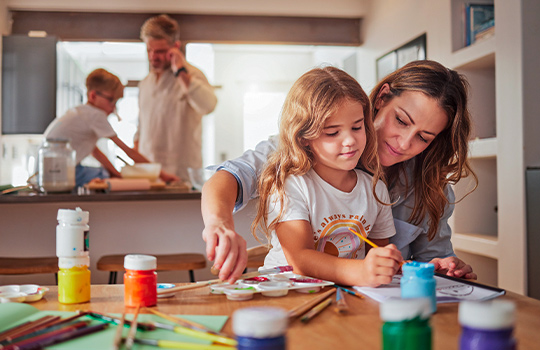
84,174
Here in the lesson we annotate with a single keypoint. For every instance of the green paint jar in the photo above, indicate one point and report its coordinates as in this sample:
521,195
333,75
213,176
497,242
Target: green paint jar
406,324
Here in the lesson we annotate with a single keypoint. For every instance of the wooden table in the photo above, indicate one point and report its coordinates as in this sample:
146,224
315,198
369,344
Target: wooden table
360,328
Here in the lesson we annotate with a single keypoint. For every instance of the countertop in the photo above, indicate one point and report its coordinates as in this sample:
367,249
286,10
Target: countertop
96,196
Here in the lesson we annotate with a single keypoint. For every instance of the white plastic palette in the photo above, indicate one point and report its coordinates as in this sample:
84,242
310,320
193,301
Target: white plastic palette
273,285
21,293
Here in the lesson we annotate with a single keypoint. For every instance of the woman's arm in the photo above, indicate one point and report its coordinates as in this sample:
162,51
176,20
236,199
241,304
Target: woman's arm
296,239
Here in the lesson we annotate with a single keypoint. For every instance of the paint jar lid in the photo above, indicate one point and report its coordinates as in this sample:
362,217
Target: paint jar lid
79,261
76,217
397,310
493,314
139,262
260,322
419,269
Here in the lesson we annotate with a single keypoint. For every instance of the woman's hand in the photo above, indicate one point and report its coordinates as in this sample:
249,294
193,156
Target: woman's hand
226,248
454,267
380,265
167,177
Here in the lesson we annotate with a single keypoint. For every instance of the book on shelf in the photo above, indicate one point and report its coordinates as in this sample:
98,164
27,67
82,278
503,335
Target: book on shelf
479,22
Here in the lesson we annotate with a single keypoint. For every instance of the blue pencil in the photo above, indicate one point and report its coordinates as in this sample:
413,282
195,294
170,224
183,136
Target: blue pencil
350,291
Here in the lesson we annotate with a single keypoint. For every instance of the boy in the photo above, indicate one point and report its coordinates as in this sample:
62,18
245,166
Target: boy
85,124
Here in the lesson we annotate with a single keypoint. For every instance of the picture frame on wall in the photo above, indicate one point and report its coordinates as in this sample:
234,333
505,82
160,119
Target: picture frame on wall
411,51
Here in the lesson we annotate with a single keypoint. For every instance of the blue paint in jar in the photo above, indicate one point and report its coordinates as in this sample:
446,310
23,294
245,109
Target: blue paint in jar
260,328
418,281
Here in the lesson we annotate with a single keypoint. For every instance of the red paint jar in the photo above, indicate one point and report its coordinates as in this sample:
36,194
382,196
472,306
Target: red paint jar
140,280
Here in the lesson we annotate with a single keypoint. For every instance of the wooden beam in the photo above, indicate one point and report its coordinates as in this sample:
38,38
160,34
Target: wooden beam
94,26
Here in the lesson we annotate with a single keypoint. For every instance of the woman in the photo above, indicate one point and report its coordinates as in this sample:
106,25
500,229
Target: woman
423,126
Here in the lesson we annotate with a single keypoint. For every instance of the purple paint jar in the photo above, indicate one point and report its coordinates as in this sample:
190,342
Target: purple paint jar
487,325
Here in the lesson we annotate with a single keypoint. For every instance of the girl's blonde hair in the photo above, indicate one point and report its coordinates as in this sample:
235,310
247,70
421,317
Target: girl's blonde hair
444,161
104,81
315,97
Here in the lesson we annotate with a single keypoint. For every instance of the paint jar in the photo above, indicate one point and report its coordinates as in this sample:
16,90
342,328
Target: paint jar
56,166
406,324
418,281
487,325
72,233
140,280
261,328
74,280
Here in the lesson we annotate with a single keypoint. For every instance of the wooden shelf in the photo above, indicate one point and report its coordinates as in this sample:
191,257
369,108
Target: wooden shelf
483,148
477,244
480,55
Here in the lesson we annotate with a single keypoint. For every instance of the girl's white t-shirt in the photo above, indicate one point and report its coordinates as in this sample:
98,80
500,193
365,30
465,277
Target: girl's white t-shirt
331,213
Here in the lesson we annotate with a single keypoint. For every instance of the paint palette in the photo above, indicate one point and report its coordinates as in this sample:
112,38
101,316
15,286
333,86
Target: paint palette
21,293
273,285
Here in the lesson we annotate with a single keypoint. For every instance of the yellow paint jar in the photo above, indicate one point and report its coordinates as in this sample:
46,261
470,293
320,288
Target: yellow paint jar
74,280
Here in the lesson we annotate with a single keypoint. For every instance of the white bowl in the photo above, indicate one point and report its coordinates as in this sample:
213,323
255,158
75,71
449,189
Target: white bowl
148,171
198,177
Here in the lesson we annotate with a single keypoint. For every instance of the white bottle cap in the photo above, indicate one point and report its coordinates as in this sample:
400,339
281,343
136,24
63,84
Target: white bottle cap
139,262
77,216
68,263
260,322
494,314
397,310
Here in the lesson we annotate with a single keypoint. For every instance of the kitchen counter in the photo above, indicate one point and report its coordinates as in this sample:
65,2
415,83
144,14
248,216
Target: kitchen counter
95,196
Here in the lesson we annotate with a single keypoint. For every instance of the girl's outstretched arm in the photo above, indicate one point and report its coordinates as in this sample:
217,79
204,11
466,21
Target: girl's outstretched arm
296,238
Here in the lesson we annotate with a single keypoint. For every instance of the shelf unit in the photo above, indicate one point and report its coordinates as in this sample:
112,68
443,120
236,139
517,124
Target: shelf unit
475,219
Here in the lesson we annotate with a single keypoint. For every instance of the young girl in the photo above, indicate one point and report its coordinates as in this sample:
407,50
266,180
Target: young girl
311,194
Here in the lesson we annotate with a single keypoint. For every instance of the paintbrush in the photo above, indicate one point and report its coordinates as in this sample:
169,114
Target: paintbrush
278,269
316,310
299,310
197,334
181,345
117,342
341,306
133,329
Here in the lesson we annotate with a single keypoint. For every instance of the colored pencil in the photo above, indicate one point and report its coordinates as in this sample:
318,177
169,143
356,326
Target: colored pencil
303,308
55,339
197,334
116,321
186,323
351,292
27,326
316,310
132,329
341,305
365,239
181,345
36,338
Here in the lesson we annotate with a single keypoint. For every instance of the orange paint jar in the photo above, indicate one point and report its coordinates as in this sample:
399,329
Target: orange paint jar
140,280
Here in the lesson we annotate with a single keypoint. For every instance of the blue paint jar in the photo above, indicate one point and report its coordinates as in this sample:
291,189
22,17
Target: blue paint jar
418,281
260,328
487,325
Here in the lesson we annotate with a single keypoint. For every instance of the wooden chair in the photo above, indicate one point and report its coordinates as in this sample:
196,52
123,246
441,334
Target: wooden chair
165,262
256,256
27,266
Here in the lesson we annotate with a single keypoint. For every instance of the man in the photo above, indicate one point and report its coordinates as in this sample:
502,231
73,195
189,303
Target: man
172,101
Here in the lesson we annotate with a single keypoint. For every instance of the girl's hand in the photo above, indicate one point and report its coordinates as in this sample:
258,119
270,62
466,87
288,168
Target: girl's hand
380,265
454,267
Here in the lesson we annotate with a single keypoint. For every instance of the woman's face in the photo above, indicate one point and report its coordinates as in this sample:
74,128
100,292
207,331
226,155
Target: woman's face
406,125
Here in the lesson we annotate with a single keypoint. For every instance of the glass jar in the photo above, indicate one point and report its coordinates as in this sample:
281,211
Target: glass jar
418,281
56,166
140,280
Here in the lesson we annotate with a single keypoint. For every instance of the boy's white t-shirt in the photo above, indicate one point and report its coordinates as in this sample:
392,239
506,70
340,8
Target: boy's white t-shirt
331,213
83,126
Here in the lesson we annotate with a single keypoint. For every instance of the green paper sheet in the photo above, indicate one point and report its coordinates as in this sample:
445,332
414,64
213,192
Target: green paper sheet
12,314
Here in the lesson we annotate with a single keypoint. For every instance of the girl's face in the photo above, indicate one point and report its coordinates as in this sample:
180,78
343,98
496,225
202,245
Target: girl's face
342,141
406,125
